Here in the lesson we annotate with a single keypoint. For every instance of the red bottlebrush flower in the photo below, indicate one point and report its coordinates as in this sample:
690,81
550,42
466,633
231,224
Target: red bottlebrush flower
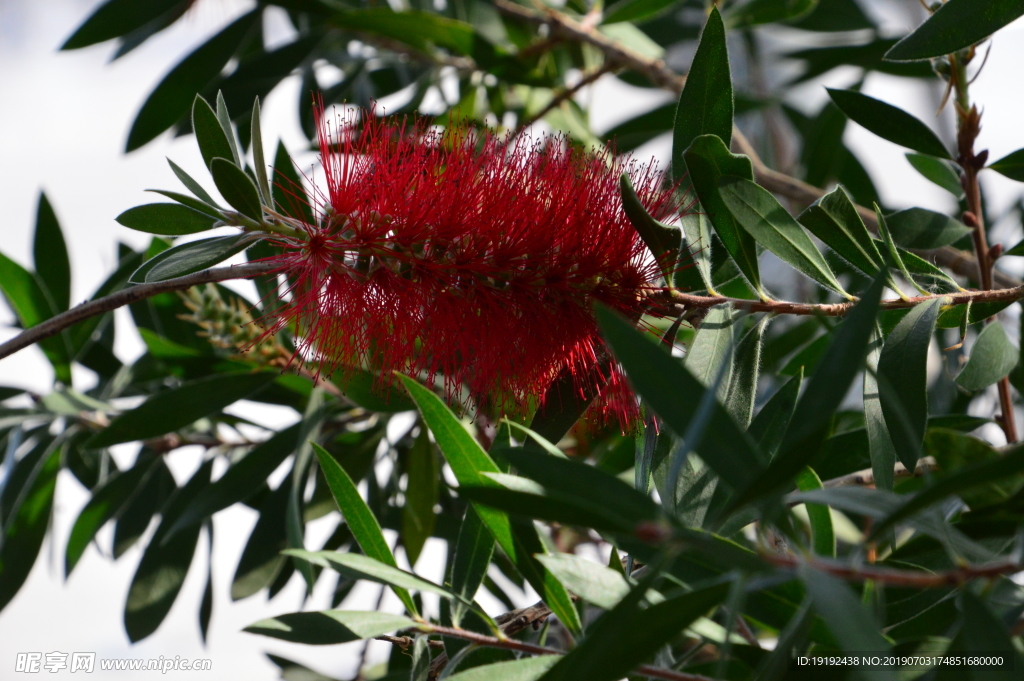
469,257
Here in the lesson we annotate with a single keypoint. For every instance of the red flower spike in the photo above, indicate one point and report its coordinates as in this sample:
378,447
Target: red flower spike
469,257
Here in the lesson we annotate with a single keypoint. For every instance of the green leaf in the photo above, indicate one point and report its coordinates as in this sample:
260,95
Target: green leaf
902,380
662,240
473,552
627,635
957,24
706,102
164,565
825,391
116,493
941,172
984,633
295,522
135,519
771,422
261,560
757,12
771,225
360,518
636,10
674,393
192,185
593,582
853,626
50,256
993,356
708,159
368,390
880,446
889,122
289,193
242,479
224,118
166,218
237,188
925,229
26,524
178,407
259,162
834,219
523,669
469,463
210,137
329,627
742,388
1011,165
193,203
697,244
170,100
116,18
894,253
421,494
27,298
823,537
421,30
712,345
192,257
562,406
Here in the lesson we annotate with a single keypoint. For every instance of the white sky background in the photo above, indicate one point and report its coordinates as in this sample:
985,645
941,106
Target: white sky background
63,122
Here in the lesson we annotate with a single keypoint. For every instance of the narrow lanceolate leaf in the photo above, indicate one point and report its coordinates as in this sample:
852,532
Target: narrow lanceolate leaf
213,143
30,303
627,635
992,357
706,102
902,380
473,552
116,18
360,518
171,99
523,669
825,391
894,255
171,219
674,393
191,184
924,229
880,447
771,422
50,255
224,118
469,462
237,188
172,409
764,218
889,122
261,560
941,172
193,203
421,492
329,627
259,162
742,389
1011,165
823,537
662,240
834,219
192,257
957,24
712,345
708,159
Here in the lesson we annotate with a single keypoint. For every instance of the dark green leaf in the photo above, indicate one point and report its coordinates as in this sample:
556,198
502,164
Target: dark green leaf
825,391
742,391
259,163
983,633
889,122
880,446
116,493
360,518
289,193
636,10
193,203
627,635
924,229
902,380
30,303
713,345
421,30
213,143
368,390
473,552
25,529
836,15
662,240
50,256
192,257
954,317
164,564
708,159
771,422
674,393
469,462
114,19
237,188
941,172
421,494
834,219
771,225
1011,165
329,627
241,480
523,669
191,184
134,520
756,12
176,408
261,559
993,356
706,103
823,537
171,99
957,24
166,218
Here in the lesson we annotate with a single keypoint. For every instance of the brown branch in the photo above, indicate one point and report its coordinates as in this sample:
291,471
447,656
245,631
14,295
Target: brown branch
565,94
866,478
679,302
127,296
658,73
906,578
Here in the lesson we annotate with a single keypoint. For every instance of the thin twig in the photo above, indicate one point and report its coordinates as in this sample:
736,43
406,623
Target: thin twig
566,94
906,578
866,478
